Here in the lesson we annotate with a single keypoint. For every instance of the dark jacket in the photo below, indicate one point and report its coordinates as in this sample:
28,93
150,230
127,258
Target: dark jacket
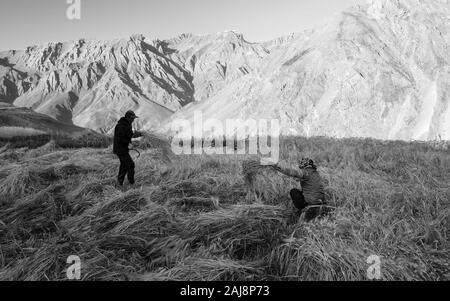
312,187
122,137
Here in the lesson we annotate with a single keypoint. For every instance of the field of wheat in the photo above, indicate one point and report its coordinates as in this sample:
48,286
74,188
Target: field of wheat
195,218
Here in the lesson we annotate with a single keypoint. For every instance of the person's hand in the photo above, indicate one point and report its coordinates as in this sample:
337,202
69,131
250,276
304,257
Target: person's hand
135,142
138,134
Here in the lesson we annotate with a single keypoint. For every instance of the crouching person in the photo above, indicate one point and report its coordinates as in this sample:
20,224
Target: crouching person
311,198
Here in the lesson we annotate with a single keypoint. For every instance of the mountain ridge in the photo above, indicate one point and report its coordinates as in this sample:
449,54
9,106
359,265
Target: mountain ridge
378,70
360,76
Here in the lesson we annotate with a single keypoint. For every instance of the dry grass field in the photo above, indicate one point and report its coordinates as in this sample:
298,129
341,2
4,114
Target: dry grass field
194,218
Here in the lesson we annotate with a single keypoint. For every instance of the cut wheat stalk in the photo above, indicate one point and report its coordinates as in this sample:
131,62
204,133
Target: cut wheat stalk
250,168
196,201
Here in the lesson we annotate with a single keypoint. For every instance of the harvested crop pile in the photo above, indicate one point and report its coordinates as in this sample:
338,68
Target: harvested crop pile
25,180
158,143
268,187
35,213
258,226
201,269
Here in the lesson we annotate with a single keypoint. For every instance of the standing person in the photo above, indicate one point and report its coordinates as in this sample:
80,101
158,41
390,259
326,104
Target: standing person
312,193
123,133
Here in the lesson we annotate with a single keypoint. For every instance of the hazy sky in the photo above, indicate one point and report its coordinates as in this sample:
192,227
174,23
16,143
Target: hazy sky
30,22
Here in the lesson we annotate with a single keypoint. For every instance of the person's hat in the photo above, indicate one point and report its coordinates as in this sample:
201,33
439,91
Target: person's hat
131,114
305,163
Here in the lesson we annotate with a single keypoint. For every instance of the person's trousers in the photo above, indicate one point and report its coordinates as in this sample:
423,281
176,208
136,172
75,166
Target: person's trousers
300,203
126,169
298,199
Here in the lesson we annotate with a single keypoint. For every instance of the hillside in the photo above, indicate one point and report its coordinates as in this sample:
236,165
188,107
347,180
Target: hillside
23,127
380,70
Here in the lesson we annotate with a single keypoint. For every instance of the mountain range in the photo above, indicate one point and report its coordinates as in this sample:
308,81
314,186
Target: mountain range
380,70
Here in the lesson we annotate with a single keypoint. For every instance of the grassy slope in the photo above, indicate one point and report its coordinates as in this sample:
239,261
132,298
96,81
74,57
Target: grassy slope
65,135
193,218
14,116
8,132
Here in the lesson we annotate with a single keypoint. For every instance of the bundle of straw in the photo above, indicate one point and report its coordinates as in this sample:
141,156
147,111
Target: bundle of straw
160,143
250,168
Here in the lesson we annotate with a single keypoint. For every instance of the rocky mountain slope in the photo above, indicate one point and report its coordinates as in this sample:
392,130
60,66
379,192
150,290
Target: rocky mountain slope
380,70
91,83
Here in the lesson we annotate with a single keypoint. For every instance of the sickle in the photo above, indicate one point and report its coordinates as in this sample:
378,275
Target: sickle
139,154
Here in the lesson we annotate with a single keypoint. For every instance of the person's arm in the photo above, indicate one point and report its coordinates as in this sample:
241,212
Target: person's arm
294,173
129,134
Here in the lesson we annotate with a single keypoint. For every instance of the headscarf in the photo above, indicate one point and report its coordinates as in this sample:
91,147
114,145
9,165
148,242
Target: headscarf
306,163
